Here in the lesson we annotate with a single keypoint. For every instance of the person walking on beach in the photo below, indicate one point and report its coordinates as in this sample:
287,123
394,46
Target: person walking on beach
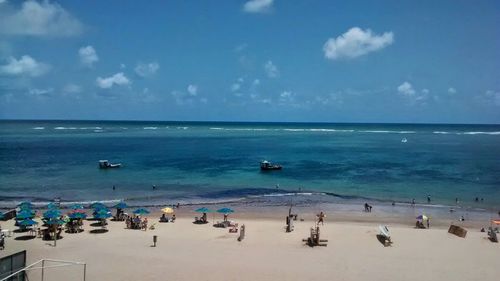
154,187
428,223
321,218
413,202
428,199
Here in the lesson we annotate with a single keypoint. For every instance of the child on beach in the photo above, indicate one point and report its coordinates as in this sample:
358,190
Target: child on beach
321,217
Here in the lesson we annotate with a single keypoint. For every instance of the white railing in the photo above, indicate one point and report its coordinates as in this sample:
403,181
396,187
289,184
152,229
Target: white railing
36,265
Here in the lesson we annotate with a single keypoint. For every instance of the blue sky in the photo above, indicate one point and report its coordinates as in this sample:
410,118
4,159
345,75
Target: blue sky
259,60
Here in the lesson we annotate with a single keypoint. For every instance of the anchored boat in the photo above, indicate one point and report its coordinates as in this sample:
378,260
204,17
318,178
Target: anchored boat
268,166
104,164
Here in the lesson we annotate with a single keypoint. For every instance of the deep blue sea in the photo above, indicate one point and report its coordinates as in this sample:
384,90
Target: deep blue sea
193,162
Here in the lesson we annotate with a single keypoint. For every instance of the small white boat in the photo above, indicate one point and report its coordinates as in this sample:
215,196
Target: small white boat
104,164
404,140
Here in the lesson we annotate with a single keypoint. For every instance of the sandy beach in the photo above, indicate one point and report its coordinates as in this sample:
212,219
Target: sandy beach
186,251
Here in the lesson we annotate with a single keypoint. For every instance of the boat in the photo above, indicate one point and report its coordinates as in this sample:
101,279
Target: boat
268,166
404,140
104,164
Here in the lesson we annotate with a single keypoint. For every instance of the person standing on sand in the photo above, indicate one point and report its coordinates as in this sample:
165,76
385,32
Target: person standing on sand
413,202
154,187
321,218
428,223
428,199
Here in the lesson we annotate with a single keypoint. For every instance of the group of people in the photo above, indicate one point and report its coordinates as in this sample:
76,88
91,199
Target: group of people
137,223
164,218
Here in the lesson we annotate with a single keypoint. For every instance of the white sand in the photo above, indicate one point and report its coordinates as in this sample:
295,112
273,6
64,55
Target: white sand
201,252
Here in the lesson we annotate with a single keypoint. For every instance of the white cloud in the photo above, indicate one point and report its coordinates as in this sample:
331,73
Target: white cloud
41,92
39,19
356,42
26,66
406,89
452,90
88,56
118,79
258,6
271,69
146,69
123,66
425,91
72,89
256,82
192,90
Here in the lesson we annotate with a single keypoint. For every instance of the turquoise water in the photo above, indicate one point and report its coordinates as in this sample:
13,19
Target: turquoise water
193,162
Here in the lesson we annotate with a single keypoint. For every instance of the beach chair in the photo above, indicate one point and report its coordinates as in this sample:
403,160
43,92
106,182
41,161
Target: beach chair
492,235
384,235
314,238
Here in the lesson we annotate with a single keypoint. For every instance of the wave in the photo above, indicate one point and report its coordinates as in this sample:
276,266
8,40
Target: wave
65,128
182,128
239,129
387,132
150,128
39,128
481,133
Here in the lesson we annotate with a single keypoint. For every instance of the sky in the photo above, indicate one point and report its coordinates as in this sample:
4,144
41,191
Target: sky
251,60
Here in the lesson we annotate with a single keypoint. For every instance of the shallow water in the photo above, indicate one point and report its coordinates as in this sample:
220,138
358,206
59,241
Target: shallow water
217,162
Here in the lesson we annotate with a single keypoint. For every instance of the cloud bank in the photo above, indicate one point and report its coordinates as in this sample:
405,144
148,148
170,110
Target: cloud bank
25,66
39,19
356,42
118,79
258,6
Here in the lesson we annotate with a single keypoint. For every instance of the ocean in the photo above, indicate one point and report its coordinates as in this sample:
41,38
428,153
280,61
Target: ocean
207,162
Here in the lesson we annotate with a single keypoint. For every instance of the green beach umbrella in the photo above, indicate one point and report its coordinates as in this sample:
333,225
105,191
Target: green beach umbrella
225,211
25,204
52,205
141,211
76,206
203,210
121,205
98,205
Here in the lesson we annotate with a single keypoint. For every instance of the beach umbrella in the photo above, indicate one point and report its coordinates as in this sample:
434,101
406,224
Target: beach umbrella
121,205
55,222
25,214
141,211
77,216
76,206
52,205
203,210
50,214
25,208
167,210
25,204
102,215
27,222
225,211
98,205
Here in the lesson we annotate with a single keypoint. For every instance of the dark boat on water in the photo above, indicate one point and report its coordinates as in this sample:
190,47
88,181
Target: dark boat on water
268,166
104,164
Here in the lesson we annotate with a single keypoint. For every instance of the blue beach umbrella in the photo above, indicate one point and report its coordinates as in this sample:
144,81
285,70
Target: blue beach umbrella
225,211
102,215
141,211
121,205
98,205
27,222
76,206
77,216
1,216
55,222
25,214
203,210
51,214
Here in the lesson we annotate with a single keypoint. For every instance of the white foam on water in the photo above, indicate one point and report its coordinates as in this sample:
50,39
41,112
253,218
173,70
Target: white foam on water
150,128
65,128
39,128
441,132
182,128
387,132
481,133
